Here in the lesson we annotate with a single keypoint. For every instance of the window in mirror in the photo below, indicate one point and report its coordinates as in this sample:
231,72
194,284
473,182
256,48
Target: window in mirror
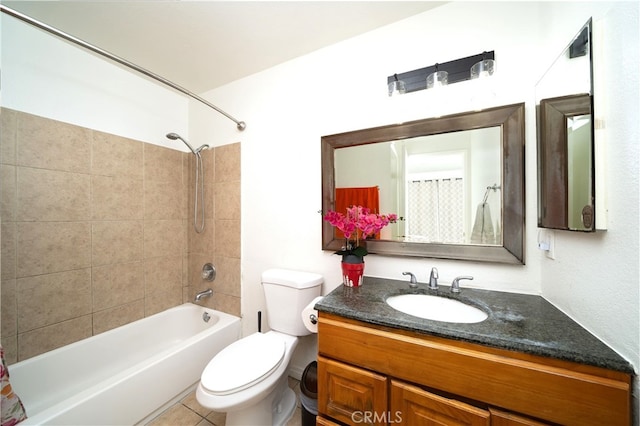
434,188
580,178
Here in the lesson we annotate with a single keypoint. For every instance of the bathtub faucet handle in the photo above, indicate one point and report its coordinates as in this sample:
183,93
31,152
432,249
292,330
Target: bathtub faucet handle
208,272
201,295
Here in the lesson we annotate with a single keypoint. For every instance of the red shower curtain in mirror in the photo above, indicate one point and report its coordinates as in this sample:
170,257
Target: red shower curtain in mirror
368,197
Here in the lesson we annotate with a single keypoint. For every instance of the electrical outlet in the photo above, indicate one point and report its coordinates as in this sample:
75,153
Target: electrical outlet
546,242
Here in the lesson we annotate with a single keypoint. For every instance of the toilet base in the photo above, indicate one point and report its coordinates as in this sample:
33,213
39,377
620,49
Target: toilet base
274,410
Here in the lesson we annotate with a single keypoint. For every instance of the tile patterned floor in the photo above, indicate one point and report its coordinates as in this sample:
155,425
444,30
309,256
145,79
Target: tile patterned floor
188,412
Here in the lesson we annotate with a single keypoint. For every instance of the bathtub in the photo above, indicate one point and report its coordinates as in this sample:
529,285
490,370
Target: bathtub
126,375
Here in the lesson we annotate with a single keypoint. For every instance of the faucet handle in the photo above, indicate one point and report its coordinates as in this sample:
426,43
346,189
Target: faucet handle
433,279
455,284
413,283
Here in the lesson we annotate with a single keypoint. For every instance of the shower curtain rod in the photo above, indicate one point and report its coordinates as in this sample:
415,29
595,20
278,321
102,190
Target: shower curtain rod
241,125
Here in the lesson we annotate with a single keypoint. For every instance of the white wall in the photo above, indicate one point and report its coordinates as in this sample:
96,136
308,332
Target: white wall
46,76
289,107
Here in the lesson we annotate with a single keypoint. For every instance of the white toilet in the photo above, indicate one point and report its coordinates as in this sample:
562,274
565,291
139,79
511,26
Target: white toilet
248,379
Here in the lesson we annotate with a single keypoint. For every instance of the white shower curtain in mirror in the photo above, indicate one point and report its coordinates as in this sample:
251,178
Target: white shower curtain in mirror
435,210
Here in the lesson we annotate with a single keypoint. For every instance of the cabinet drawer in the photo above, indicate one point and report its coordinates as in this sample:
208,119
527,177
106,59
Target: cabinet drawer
503,418
413,406
349,394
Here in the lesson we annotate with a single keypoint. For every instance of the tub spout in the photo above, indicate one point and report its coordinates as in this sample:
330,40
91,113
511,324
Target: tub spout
201,295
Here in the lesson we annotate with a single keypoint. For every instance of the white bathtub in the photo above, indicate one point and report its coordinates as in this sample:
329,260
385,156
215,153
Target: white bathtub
124,375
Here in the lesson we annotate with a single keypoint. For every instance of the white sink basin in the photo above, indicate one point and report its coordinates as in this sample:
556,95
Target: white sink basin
436,308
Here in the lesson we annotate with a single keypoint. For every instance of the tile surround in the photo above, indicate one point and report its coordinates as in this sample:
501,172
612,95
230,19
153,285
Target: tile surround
35,342
163,200
115,317
8,250
51,195
116,285
97,231
40,297
8,129
116,156
8,193
116,198
47,247
48,144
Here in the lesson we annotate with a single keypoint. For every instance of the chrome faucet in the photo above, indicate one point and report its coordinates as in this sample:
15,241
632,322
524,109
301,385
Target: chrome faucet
201,295
455,284
413,283
433,279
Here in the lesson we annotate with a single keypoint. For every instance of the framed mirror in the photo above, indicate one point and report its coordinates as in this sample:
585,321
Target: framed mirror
485,223
565,152
566,163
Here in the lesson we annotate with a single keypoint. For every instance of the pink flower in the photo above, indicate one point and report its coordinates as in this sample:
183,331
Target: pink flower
358,221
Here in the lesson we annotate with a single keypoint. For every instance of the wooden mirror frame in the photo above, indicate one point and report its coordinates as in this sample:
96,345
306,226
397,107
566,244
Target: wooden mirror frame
510,118
552,160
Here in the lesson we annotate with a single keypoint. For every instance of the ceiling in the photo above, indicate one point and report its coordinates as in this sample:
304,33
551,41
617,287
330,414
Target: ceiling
201,45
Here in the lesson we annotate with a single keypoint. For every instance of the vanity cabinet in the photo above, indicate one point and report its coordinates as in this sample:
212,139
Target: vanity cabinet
379,375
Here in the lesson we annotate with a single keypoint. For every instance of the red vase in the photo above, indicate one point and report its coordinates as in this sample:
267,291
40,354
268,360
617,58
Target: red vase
352,274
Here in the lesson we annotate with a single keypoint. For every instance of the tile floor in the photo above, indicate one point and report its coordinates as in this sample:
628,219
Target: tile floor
188,412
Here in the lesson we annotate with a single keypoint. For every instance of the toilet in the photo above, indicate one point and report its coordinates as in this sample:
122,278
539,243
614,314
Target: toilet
248,379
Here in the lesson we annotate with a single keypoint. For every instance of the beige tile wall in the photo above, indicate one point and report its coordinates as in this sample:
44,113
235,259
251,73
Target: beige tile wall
97,231
219,243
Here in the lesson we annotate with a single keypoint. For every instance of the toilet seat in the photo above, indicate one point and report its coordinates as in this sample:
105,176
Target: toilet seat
243,363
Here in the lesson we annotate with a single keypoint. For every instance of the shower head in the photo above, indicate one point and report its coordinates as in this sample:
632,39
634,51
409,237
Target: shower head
175,136
201,148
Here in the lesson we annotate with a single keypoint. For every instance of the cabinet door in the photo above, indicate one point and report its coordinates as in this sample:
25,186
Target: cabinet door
504,418
351,395
321,421
413,406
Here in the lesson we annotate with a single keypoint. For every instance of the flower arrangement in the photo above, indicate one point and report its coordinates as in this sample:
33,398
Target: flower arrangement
360,223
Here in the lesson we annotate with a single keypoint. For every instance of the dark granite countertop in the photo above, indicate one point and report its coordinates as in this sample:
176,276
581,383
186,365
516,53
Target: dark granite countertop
518,322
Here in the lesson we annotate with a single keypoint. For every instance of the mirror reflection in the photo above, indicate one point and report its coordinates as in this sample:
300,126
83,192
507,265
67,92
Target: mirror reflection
446,187
566,188
580,179
456,181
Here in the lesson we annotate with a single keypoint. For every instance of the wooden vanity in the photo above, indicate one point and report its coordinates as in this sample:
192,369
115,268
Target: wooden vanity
376,374
394,376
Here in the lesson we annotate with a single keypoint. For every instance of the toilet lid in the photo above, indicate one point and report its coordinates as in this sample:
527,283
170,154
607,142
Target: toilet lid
243,363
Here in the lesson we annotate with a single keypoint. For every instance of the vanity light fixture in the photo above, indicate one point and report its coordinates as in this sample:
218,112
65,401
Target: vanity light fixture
455,71
484,68
396,87
437,79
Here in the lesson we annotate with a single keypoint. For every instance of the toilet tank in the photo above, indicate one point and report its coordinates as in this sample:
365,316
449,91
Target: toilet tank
287,292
